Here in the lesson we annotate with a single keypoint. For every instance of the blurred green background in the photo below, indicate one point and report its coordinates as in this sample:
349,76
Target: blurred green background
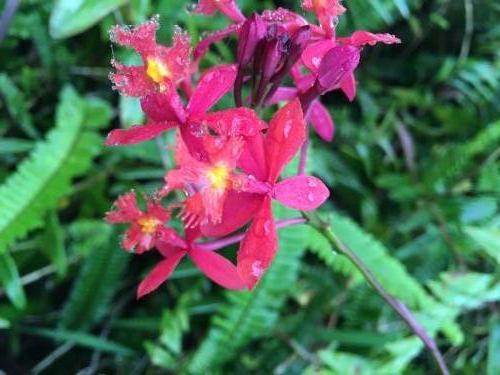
414,173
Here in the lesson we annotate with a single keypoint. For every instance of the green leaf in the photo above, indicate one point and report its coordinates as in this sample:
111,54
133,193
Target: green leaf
388,270
97,281
11,282
14,145
52,243
488,239
493,364
17,105
46,175
82,339
71,17
4,323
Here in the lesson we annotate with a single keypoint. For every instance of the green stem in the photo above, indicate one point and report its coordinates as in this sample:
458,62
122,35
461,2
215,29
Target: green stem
401,309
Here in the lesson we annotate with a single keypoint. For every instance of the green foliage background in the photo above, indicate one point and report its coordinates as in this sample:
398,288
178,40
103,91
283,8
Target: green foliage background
414,173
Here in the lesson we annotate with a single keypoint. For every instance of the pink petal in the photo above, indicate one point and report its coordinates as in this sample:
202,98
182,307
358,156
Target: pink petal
167,250
234,122
159,274
348,86
287,132
213,85
238,209
314,53
253,159
217,268
283,94
321,121
166,106
258,248
204,45
303,193
137,133
141,38
131,80
360,38
126,211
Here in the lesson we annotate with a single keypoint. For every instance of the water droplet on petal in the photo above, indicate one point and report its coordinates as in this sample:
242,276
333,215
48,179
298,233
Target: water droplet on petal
287,128
257,269
268,225
311,182
310,197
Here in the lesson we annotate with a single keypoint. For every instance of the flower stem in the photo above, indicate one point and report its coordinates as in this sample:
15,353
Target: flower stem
399,307
219,244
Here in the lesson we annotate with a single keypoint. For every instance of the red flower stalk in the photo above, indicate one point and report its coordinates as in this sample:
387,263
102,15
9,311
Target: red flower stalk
214,266
147,228
227,7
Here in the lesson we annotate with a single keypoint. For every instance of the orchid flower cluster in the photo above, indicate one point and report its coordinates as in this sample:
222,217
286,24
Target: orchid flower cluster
229,162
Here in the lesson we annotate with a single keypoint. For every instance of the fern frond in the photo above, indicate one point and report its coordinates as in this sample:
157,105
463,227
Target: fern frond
247,316
45,177
98,279
388,270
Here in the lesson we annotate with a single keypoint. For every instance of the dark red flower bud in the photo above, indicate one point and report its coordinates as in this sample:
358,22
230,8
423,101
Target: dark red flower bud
251,33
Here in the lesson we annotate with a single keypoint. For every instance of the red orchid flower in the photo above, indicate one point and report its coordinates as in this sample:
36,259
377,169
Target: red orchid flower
263,159
228,7
168,111
326,11
206,182
163,66
147,228
214,266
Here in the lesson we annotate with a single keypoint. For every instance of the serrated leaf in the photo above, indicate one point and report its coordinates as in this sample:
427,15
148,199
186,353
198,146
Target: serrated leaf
45,176
71,17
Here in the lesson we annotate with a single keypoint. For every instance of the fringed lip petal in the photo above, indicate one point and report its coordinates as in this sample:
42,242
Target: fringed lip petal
259,246
217,268
160,273
227,7
305,193
137,134
213,85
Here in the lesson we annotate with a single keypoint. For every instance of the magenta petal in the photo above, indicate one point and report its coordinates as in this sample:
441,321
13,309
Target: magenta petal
258,248
314,53
166,249
337,64
239,208
159,274
137,134
217,268
213,85
321,121
204,45
161,107
360,38
348,86
283,94
253,159
303,193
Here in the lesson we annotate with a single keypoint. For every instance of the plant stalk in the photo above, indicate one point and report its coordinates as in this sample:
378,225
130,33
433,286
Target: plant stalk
399,307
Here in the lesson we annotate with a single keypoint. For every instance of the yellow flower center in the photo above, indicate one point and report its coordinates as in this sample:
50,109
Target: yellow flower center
157,71
148,224
218,176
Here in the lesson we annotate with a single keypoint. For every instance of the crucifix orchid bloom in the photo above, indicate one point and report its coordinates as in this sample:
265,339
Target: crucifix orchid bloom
230,162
